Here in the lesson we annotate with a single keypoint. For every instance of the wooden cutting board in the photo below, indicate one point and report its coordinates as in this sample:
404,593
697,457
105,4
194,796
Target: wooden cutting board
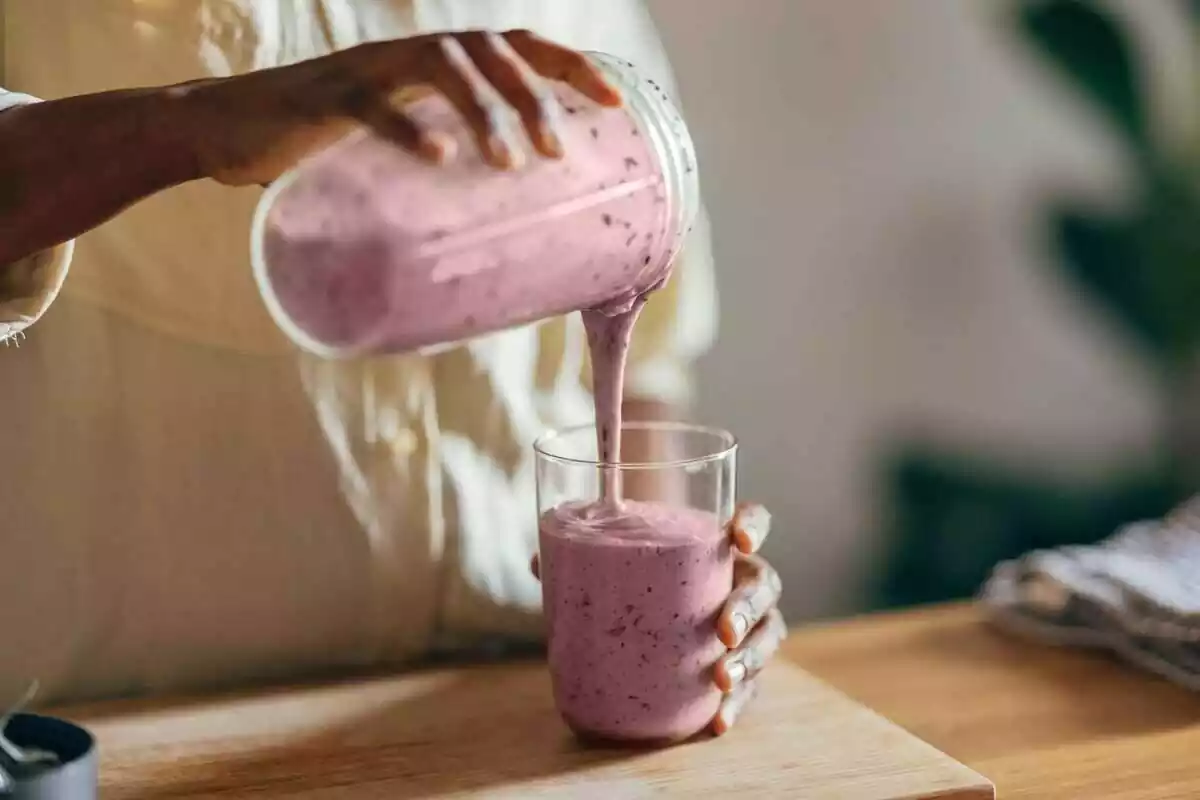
493,732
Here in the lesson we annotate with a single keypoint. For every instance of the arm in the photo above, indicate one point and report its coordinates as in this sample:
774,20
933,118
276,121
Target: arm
68,165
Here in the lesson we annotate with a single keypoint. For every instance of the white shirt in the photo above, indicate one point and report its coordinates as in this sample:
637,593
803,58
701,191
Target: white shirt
187,501
27,289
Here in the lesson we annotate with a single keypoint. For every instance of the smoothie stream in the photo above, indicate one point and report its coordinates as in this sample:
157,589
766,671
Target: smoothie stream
609,331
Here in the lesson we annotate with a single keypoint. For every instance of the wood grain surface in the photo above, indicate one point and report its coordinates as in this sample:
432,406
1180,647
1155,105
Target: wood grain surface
1041,722
493,732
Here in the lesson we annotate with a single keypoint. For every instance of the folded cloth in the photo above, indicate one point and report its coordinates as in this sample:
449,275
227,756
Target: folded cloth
1136,593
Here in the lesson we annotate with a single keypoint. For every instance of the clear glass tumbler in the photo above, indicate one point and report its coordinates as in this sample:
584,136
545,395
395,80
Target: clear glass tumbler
632,587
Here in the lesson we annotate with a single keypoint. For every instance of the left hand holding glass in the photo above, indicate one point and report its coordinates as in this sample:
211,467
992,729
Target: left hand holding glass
750,625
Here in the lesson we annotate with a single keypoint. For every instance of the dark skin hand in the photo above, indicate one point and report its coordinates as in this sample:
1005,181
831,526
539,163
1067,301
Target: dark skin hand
68,165
750,624
284,113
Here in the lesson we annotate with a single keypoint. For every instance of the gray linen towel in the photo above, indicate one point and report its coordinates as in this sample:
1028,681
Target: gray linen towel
1136,593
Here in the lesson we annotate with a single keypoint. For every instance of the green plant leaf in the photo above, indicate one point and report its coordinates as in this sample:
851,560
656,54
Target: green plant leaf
1144,270
1090,48
953,513
1100,256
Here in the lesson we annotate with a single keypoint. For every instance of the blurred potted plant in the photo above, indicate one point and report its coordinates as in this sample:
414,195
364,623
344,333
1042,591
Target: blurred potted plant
1141,266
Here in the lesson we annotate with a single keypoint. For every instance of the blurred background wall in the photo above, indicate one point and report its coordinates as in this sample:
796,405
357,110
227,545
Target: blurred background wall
878,173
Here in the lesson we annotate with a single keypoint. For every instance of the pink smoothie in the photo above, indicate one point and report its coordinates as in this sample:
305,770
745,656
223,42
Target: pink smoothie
609,334
369,250
631,595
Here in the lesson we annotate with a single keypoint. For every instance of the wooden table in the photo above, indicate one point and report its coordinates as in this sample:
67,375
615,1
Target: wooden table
1040,722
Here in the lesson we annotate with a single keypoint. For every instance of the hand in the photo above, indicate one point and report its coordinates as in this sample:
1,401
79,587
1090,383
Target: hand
750,625
251,128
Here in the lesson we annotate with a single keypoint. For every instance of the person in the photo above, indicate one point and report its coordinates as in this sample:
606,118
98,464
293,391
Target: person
188,502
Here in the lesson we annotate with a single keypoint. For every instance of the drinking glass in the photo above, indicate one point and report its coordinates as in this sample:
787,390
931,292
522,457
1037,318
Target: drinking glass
632,585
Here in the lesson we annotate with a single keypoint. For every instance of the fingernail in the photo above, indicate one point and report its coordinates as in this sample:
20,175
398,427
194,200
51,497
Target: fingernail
549,124
736,672
434,147
503,155
551,144
613,95
741,624
725,720
753,523
500,151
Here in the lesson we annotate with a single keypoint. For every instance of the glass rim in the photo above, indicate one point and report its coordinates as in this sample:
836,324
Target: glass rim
729,442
